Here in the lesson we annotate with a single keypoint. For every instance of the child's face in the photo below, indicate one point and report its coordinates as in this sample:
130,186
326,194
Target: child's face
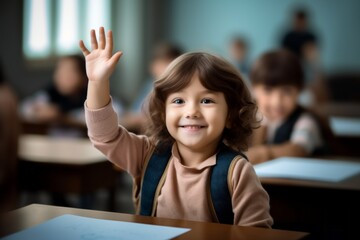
196,116
68,79
276,103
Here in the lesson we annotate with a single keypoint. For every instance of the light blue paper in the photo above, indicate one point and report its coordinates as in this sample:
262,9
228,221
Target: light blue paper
72,227
345,126
307,169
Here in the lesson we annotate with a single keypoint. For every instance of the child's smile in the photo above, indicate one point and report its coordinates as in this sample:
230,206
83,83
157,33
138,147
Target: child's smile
193,127
196,117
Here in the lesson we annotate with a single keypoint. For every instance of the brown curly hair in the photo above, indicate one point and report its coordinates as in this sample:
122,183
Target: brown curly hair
215,74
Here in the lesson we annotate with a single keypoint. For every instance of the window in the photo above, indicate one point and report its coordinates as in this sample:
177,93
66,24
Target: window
53,28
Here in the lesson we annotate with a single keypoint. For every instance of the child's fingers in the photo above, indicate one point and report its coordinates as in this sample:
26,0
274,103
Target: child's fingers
84,50
109,41
115,58
102,40
94,44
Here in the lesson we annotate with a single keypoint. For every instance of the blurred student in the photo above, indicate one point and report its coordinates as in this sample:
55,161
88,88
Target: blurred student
62,101
303,42
299,38
238,51
162,56
287,129
9,133
65,95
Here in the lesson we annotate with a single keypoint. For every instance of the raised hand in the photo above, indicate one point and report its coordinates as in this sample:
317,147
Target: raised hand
100,62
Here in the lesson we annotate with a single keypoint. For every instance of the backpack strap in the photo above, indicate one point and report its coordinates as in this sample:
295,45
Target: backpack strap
153,179
219,193
220,196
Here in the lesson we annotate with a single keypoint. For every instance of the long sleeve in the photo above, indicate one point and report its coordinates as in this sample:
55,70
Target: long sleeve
249,199
126,150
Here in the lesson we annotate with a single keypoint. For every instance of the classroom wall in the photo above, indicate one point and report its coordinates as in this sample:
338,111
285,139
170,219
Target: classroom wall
209,24
203,24
22,77
128,25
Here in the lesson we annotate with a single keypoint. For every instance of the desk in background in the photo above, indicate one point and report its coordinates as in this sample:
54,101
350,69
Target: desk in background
64,165
35,214
328,210
347,133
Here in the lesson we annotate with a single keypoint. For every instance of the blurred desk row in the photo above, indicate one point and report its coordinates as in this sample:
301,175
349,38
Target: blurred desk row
323,208
64,165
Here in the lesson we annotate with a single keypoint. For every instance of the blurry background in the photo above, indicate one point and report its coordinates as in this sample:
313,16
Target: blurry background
35,32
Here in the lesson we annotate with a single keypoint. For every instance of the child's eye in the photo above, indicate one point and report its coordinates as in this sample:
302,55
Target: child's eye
178,101
206,101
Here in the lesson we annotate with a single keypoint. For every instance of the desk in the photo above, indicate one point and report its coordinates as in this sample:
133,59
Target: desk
328,210
339,109
35,214
345,126
63,165
347,133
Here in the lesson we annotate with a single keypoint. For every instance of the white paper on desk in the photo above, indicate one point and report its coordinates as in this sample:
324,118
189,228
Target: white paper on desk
83,228
307,169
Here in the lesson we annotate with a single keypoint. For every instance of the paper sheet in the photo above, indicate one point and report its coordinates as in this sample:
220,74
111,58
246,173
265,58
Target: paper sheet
344,126
307,169
83,228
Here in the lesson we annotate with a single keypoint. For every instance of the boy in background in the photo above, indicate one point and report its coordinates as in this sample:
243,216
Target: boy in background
286,129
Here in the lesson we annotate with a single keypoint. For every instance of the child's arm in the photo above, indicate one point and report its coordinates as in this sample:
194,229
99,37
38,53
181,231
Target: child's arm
100,63
250,201
126,150
262,153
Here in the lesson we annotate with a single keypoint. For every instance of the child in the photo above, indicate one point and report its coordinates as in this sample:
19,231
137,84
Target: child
63,97
287,129
199,104
239,55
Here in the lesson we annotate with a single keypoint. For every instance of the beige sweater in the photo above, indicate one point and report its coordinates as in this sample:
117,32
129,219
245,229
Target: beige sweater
183,195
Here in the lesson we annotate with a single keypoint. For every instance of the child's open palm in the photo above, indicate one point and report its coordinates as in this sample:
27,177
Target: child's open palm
100,62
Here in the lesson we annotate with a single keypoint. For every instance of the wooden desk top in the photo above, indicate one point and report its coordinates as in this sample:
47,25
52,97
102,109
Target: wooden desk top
75,151
35,214
340,109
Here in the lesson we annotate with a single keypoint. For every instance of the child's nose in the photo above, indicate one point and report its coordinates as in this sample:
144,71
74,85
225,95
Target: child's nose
276,100
192,111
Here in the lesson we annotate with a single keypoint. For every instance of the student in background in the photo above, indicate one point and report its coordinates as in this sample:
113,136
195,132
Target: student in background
65,95
300,39
163,55
61,103
286,128
198,110
238,51
9,133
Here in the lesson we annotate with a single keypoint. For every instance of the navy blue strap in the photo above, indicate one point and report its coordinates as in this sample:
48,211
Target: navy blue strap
153,173
219,189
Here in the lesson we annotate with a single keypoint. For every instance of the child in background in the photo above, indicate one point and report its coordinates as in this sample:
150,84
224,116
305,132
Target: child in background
163,55
238,50
199,109
64,96
286,129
